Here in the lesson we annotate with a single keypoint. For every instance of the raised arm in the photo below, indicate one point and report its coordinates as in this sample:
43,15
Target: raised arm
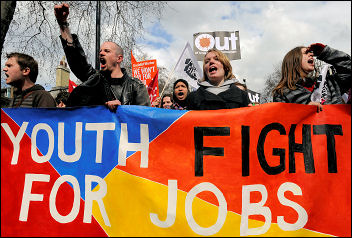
61,13
75,55
338,59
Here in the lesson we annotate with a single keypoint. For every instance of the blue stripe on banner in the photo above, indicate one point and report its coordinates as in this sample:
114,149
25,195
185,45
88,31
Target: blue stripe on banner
158,120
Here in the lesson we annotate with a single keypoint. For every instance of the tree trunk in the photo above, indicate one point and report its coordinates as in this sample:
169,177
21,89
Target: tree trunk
7,11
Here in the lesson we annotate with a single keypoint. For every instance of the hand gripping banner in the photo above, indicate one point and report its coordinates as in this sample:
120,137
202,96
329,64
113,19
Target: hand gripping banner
270,170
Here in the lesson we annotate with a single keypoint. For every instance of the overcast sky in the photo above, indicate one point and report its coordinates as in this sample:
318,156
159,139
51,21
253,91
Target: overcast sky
268,30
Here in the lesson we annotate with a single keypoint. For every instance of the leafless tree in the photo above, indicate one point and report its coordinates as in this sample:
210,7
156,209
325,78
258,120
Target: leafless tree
34,30
271,81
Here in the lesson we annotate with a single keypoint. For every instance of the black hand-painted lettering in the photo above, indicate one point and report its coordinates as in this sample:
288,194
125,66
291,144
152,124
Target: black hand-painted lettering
200,150
305,148
330,131
276,151
245,150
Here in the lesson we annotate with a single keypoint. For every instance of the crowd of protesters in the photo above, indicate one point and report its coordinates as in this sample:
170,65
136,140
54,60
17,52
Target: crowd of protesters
218,89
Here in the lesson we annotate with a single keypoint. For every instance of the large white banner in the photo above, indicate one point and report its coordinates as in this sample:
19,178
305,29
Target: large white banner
187,67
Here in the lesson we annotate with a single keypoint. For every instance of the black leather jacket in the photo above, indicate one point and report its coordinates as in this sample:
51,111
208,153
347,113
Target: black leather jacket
96,87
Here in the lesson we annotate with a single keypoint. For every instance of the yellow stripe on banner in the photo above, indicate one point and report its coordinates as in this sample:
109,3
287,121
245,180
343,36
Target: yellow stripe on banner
130,200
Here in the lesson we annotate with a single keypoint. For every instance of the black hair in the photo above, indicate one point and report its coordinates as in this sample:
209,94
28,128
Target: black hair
62,97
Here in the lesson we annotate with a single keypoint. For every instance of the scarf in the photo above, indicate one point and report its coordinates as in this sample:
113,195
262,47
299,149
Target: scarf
217,89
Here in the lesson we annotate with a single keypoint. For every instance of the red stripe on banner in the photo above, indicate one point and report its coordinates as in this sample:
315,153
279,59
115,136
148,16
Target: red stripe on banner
39,221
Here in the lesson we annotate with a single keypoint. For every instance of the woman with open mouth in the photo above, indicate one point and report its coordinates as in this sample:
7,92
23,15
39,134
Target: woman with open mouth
217,89
180,94
296,84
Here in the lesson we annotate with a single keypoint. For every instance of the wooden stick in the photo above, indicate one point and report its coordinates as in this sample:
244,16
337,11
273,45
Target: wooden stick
166,83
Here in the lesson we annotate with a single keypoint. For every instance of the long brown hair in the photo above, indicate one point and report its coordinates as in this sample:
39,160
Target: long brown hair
225,62
291,70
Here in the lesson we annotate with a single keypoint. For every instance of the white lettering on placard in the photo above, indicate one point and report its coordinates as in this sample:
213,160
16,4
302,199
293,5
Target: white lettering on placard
28,196
100,128
143,146
206,186
37,158
76,200
171,207
302,214
15,139
97,196
78,143
249,208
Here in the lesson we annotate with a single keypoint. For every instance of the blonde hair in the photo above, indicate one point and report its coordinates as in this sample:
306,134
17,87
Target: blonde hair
225,62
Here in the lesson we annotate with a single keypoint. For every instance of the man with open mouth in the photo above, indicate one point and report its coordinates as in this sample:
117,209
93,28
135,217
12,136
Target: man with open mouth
21,72
111,85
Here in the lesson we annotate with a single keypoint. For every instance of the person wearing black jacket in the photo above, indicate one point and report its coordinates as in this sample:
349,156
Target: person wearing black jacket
217,90
296,86
110,86
180,94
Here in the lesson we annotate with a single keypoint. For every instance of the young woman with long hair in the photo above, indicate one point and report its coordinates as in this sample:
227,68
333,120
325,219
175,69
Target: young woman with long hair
296,84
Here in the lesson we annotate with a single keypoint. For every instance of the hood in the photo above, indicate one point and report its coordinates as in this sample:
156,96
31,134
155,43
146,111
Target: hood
35,87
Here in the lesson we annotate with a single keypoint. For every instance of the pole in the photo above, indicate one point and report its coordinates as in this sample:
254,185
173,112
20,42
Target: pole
167,82
97,39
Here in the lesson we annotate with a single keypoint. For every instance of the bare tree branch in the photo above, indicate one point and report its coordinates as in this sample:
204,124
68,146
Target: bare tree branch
34,29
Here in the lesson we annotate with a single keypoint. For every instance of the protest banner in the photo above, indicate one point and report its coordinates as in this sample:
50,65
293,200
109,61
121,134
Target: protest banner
274,170
143,70
253,96
71,85
227,42
187,67
153,87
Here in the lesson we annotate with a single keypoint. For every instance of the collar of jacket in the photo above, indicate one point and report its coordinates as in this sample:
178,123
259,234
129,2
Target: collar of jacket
233,94
121,80
35,87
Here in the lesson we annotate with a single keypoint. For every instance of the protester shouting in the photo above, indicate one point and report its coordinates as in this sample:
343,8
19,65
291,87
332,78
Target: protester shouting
21,72
297,86
217,89
110,86
180,94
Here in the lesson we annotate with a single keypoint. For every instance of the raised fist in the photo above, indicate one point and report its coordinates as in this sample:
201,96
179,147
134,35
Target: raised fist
61,12
156,102
316,48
